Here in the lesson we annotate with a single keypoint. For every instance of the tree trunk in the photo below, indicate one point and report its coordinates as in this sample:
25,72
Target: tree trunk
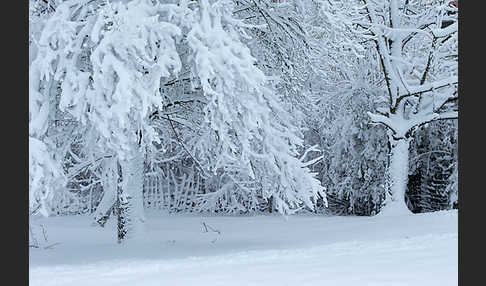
109,181
130,196
398,175
123,215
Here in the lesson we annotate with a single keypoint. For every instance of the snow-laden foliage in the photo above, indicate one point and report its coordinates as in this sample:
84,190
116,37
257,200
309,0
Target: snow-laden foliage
252,134
342,87
355,155
130,51
44,175
119,71
239,106
281,44
45,172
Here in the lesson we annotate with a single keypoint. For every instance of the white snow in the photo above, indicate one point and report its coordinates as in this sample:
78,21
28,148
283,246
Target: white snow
259,250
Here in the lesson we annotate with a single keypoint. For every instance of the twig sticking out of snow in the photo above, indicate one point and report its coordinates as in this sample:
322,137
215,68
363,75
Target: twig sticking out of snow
44,233
51,245
207,227
36,243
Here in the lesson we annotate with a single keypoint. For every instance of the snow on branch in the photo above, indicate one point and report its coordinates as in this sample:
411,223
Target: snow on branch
424,119
420,89
434,85
449,30
381,119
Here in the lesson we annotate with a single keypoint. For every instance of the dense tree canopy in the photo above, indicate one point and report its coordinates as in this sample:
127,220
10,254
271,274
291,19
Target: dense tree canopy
241,106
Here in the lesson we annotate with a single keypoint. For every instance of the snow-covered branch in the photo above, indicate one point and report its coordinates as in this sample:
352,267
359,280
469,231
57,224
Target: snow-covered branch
449,30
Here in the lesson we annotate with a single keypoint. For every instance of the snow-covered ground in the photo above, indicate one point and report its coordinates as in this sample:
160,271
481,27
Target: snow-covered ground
259,250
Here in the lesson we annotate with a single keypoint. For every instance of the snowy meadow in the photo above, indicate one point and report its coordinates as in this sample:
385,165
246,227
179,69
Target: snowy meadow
253,250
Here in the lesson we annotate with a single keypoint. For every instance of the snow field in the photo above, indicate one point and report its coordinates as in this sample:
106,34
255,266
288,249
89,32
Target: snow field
261,250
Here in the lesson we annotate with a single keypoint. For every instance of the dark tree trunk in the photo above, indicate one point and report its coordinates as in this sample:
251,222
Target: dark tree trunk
270,204
122,210
123,214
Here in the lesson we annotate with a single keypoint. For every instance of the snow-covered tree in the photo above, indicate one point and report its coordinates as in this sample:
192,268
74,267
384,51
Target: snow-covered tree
118,69
355,156
110,64
254,139
339,87
418,59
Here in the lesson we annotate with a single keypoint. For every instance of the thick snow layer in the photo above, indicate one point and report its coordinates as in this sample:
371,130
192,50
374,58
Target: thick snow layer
261,250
